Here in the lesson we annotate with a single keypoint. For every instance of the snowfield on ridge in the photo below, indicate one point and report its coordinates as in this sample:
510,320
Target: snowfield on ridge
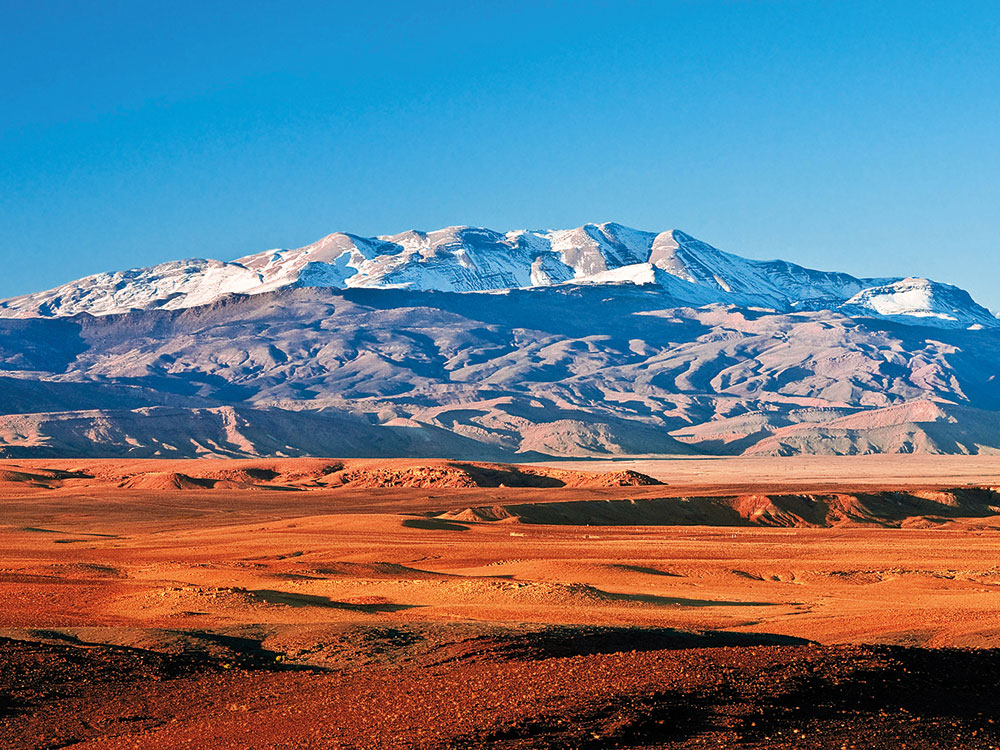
472,259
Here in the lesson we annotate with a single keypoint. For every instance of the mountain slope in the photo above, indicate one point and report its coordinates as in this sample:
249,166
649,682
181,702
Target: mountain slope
567,370
464,342
469,259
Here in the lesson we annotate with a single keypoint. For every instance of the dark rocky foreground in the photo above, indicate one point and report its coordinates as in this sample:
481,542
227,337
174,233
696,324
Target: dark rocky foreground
556,687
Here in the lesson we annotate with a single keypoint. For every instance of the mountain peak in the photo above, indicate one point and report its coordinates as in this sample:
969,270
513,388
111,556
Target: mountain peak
475,259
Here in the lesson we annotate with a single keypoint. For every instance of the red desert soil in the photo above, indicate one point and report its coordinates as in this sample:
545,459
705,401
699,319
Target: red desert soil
326,603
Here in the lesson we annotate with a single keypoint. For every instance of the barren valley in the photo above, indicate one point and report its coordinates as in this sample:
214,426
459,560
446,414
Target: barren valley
747,602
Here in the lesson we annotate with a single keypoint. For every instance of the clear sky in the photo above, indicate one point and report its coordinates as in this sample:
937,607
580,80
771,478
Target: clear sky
855,136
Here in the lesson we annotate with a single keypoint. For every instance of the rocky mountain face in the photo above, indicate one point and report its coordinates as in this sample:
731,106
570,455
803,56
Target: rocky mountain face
469,343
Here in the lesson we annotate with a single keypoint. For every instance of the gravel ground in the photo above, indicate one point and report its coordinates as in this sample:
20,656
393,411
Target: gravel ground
559,688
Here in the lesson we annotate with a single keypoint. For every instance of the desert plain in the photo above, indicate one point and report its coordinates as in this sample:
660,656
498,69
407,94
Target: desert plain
815,602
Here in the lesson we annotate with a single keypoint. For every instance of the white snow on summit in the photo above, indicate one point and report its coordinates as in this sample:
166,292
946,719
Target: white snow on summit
179,283
921,298
472,259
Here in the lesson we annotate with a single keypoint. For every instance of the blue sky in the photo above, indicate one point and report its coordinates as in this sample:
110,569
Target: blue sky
856,136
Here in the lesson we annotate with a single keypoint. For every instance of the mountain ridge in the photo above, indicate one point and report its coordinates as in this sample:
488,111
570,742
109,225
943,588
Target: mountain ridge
475,259
568,370
471,344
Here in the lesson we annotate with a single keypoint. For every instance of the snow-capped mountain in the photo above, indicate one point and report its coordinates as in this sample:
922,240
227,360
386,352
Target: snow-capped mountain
923,299
468,343
471,259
